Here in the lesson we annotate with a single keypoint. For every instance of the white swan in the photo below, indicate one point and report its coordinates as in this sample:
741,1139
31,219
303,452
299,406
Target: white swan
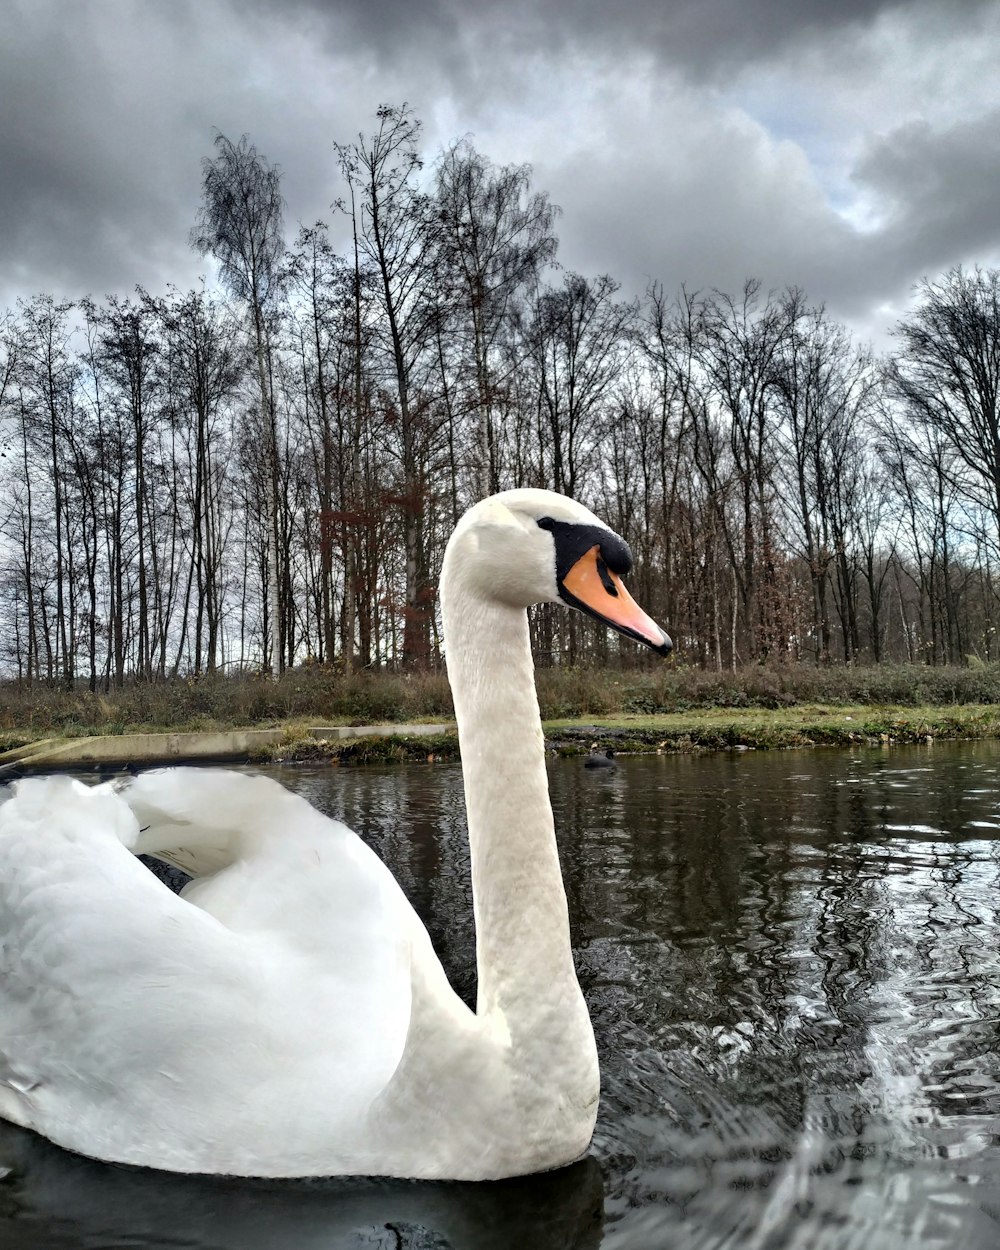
287,1015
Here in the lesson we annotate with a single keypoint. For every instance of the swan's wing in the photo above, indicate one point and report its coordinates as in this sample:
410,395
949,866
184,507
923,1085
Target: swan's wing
84,929
265,858
123,1005
195,819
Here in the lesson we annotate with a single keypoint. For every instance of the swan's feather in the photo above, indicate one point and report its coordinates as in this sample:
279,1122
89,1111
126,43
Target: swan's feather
274,999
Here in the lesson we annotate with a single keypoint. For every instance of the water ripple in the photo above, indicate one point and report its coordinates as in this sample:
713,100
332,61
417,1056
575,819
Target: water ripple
793,968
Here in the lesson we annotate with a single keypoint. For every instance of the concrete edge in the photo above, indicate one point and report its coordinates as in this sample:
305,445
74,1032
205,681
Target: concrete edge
29,748
115,749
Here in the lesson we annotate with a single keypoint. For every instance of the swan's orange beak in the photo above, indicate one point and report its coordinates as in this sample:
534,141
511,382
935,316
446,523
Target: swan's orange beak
589,584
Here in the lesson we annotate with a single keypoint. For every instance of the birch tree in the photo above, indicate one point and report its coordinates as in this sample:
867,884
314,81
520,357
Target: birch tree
240,224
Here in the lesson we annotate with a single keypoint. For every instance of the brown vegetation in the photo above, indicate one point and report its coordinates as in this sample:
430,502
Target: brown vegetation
320,695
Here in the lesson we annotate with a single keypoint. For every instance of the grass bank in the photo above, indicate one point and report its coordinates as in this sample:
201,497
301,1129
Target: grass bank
666,707
804,725
701,729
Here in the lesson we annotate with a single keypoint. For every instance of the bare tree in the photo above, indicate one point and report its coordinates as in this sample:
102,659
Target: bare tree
947,375
824,386
48,375
203,369
396,236
921,465
188,483
240,223
128,352
494,239
742,340
578,338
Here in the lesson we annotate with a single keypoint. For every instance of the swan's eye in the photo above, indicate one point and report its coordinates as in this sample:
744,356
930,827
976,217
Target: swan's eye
573,538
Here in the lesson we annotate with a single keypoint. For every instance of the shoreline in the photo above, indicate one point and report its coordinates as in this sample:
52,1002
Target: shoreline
694,730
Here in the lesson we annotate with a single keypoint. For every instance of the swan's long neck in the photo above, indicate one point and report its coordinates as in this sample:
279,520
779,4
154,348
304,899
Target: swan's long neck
524,957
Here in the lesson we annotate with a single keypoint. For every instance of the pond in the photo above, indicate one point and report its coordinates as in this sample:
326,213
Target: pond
791,960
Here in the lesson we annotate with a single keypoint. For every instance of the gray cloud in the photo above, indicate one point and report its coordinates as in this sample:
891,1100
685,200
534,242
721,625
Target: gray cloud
847,148
940,188
699,38
107,112
90,156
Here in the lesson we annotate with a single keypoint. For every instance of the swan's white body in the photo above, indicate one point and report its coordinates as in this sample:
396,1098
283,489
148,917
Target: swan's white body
286,1015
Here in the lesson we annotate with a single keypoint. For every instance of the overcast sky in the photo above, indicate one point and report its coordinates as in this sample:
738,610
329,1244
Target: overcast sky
845,146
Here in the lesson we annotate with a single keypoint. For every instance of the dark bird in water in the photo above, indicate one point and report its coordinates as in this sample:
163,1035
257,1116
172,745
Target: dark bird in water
599,759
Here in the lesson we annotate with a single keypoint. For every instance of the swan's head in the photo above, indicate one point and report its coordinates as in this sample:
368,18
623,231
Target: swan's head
534,546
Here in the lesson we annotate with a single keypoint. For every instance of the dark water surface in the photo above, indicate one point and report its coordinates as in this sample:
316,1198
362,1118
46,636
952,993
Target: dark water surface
792,964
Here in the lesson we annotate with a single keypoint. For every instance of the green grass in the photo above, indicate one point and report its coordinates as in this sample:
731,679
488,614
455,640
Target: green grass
804,725
696,730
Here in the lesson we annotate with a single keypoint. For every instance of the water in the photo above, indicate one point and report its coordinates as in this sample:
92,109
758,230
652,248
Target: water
792,964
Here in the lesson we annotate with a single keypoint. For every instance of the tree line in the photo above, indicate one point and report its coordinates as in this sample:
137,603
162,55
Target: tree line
264,474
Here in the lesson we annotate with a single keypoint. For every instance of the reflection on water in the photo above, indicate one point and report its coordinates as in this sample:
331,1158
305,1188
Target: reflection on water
791,961
55,1201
